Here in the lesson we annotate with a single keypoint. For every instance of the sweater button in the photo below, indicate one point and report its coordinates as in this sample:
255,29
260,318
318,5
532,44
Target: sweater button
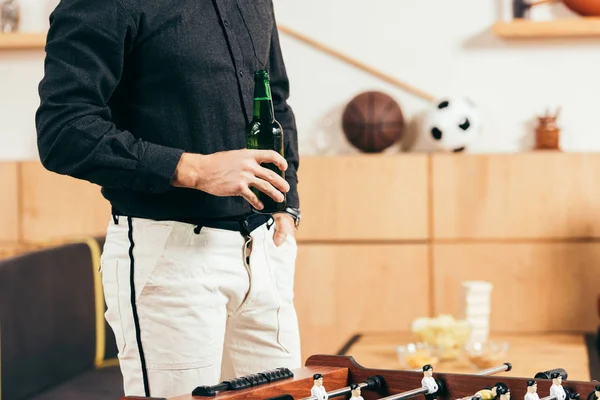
241,73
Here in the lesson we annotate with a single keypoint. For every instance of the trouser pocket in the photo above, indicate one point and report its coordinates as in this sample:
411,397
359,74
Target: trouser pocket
282,262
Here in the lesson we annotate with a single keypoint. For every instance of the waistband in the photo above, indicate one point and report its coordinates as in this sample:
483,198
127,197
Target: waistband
244,224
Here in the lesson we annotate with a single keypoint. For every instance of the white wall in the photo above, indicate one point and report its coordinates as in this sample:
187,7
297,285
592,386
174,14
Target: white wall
442,47
20,73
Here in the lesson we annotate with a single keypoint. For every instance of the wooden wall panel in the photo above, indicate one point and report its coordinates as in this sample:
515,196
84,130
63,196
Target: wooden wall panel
364,197
56,206
345,289
512,196
9,208
538,287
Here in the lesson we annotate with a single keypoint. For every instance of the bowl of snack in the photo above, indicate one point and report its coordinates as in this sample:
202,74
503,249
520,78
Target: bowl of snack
445,334
416,355
487,354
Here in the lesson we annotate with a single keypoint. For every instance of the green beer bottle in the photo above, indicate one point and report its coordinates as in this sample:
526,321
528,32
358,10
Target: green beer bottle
265,133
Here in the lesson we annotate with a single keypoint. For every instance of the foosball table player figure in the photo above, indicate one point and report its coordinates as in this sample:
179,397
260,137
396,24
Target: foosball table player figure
503,393
429,382
532,390
489,393
595,395
355,390
557,390
318,390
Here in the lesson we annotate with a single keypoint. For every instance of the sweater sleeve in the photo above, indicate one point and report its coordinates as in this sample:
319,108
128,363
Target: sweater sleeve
280,90
85,51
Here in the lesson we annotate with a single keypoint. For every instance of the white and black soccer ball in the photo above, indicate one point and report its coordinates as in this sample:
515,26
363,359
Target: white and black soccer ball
450,124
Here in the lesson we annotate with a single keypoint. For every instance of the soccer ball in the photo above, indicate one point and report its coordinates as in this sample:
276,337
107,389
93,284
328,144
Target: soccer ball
450,124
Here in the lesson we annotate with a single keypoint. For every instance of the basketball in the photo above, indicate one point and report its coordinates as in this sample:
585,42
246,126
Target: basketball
586,8
372,122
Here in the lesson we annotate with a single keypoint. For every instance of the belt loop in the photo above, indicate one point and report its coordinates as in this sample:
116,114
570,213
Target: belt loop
270,223
115,219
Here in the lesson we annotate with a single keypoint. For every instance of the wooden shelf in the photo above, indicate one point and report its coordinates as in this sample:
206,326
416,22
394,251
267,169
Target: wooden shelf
22,41
566,28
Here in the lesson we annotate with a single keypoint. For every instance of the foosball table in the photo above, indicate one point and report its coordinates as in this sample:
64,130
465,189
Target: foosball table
326,377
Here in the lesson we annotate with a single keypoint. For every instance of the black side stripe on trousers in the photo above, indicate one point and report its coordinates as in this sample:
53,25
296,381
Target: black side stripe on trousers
136,320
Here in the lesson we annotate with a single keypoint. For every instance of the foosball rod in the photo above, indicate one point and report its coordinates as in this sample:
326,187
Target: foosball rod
485,372
423,390
495,370
407,395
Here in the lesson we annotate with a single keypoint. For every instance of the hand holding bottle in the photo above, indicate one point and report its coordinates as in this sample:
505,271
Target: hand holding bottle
233,173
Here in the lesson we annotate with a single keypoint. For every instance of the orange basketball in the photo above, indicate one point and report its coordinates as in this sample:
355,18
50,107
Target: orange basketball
372,122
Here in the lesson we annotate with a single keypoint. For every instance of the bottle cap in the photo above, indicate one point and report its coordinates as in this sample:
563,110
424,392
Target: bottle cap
261,74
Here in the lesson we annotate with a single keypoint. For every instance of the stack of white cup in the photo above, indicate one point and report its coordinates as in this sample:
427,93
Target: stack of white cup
477,302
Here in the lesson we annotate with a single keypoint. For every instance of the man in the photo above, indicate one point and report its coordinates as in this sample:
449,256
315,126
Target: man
318,390
556,390
355,390
429,382
150,100
532,390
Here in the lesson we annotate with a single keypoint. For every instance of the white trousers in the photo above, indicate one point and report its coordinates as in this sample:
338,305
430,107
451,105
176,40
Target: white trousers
188,310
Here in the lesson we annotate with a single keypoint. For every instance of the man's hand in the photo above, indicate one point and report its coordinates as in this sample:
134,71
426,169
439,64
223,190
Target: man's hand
284,225
233,173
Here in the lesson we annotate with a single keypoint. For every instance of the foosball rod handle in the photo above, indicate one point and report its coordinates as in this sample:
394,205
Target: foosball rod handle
371,383
547,374
244,382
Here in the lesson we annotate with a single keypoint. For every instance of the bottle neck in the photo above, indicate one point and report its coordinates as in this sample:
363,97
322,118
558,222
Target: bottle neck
263,103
